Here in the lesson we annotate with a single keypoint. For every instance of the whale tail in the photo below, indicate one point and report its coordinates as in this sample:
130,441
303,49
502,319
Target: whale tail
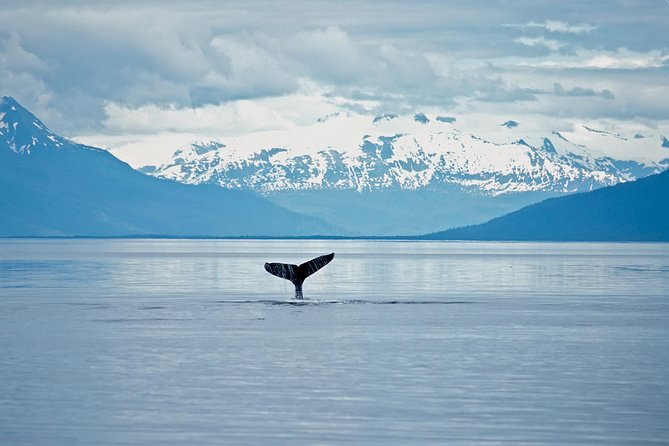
298,273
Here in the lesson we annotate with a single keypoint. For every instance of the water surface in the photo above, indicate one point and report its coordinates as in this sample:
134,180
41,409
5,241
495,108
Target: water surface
191,342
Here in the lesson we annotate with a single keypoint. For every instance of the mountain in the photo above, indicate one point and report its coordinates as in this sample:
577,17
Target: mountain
634,211
50,186
401,174
353,152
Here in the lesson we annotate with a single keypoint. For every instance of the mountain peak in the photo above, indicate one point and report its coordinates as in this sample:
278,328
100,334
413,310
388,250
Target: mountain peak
12,112
7,100
385,117
420,117
10,106
21,131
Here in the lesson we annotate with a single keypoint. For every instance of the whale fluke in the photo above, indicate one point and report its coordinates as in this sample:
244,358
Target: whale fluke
297,273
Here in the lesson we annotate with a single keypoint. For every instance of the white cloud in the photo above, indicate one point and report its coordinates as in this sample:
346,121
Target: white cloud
622,59
551,44
98,65
229,118
555,26
626,60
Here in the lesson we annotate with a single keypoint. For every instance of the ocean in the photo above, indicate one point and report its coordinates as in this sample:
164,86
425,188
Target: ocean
185,342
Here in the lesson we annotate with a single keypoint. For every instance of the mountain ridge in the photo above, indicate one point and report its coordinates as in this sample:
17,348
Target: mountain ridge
394,175
633,211
394,152
52,186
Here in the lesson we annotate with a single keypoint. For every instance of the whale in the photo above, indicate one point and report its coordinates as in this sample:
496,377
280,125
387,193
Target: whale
296,274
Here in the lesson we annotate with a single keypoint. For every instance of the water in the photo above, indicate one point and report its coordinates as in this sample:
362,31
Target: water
191,342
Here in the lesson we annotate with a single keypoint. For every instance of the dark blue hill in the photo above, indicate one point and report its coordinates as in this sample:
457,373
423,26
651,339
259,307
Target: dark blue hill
50,186
634,211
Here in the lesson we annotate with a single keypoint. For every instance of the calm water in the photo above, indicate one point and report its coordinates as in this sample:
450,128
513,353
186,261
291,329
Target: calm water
191,342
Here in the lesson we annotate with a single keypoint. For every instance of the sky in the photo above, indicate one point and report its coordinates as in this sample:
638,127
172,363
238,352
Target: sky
110,69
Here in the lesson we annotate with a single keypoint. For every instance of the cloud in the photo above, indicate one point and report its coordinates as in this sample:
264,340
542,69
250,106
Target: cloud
74,61
329,53
624,60
551,44
509,94
235,117
555,26
21,74
13,56
559,90
621,59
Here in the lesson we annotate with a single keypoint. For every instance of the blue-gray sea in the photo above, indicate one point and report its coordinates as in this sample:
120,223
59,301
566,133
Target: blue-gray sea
191,342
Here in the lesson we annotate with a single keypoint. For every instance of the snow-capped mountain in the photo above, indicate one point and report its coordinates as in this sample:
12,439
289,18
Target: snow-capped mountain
23,133
390,152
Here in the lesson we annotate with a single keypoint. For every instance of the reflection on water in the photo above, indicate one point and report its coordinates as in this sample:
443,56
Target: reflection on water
192,342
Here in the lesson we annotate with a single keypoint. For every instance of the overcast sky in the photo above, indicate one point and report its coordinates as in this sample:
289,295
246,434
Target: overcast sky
145,67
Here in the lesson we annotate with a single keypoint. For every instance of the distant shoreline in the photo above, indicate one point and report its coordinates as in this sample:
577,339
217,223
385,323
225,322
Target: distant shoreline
315,237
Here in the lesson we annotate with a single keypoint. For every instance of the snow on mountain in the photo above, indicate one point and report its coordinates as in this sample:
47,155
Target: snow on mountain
22,131
357,152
